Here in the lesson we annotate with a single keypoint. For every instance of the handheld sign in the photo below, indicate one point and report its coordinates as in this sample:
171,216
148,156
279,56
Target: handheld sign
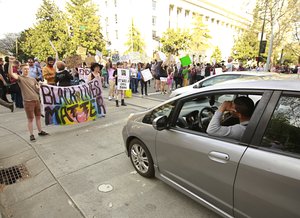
185,61
123,79
147,75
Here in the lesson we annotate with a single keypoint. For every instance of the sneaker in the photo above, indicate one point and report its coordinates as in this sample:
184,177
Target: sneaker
32,139
43,133
109,98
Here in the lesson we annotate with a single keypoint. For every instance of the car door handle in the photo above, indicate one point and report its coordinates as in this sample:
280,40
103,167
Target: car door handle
218,156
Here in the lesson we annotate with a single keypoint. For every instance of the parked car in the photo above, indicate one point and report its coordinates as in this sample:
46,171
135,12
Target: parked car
215,79
257,176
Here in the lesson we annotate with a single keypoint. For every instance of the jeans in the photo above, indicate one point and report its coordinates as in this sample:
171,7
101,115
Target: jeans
144,85
134,85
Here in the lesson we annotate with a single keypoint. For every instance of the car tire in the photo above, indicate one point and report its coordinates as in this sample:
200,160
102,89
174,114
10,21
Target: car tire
141,158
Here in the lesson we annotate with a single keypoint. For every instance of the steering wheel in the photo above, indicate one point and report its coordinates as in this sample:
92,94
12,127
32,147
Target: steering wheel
205,116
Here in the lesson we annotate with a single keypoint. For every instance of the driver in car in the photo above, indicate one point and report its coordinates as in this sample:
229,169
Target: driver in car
242,107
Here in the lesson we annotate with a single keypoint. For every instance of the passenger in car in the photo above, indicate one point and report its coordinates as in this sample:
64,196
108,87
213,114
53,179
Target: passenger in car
242,107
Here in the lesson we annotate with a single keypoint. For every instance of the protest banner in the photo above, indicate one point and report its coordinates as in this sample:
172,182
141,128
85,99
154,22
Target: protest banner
73,61
125,58
147,75
89,60
185,61
72,104
84,73
123,79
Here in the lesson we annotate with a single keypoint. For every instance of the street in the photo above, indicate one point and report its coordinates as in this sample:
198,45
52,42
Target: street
67,168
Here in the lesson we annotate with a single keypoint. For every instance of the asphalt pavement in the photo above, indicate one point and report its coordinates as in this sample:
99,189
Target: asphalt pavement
82,170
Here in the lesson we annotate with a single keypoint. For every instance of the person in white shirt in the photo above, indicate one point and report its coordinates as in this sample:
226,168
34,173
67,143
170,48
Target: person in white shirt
242,107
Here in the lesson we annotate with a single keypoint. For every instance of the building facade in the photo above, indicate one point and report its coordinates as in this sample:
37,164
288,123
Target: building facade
225,19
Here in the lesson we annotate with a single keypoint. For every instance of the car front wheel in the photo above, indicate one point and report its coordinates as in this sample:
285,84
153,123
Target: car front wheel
141,158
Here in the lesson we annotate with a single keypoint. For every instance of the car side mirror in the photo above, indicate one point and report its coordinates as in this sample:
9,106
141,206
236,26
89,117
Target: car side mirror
160,123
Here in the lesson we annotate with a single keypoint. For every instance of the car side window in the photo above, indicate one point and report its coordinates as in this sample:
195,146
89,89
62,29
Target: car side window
283,131
164,110
219,79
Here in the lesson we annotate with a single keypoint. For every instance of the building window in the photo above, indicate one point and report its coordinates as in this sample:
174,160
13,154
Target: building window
187,13
105,3
117,34
178,11
115,1
206,18
212,20
116,18
153,21
153,5
153,34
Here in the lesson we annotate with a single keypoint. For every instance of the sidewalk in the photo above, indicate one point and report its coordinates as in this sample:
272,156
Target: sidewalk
51,159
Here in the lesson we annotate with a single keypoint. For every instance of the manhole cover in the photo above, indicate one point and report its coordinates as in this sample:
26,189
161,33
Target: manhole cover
12,174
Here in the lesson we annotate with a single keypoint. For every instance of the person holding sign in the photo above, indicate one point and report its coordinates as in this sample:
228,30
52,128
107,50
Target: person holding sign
143,80
30,92
119,91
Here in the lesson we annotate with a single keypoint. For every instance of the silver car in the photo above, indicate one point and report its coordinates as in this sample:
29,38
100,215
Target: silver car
219,78
258,176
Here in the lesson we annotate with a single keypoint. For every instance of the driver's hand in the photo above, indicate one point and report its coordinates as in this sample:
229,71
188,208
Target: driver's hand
227,106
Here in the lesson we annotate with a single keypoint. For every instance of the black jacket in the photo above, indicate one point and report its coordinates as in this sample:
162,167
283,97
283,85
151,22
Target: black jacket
63,78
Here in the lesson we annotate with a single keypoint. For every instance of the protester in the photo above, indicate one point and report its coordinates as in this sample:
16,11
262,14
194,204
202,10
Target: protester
9,105
30,92
185,74
120,93
170,78
3,81
111,80
14,86
62,77
34,70
96,71
49,71
163,79
143,82
133,78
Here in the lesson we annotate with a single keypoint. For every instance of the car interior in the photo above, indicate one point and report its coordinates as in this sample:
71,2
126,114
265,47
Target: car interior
196,113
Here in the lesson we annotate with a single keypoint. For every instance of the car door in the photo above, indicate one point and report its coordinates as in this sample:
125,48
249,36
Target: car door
202,165
268,178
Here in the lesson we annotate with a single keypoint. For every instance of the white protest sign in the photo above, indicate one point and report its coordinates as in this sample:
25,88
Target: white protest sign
123,79
84,73
147,75
218,70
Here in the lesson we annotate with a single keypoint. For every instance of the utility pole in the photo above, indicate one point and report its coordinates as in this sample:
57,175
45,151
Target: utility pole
262,34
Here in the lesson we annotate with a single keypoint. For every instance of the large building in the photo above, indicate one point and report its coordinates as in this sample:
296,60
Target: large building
225,19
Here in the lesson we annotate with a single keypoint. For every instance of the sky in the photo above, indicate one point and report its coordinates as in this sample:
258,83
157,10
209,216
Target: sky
18,15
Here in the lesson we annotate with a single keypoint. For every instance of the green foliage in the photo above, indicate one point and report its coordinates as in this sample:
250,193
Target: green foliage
84,26
217,55
200,35
135,42
247,44
50,26
174,41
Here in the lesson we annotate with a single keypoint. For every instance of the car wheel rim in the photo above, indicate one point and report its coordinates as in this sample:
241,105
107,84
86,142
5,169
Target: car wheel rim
139,158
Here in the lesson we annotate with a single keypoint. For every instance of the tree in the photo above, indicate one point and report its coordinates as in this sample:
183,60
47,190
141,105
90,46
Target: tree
135,42
51,25
281,16
247,44
200,35
217,55
84,26
8,43
174,41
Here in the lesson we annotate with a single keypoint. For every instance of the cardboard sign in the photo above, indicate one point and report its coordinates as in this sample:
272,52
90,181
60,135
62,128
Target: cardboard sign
123,79
84,73
147,75
73,61
72,104
90,60
81,51
115,58
185,61
218,70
